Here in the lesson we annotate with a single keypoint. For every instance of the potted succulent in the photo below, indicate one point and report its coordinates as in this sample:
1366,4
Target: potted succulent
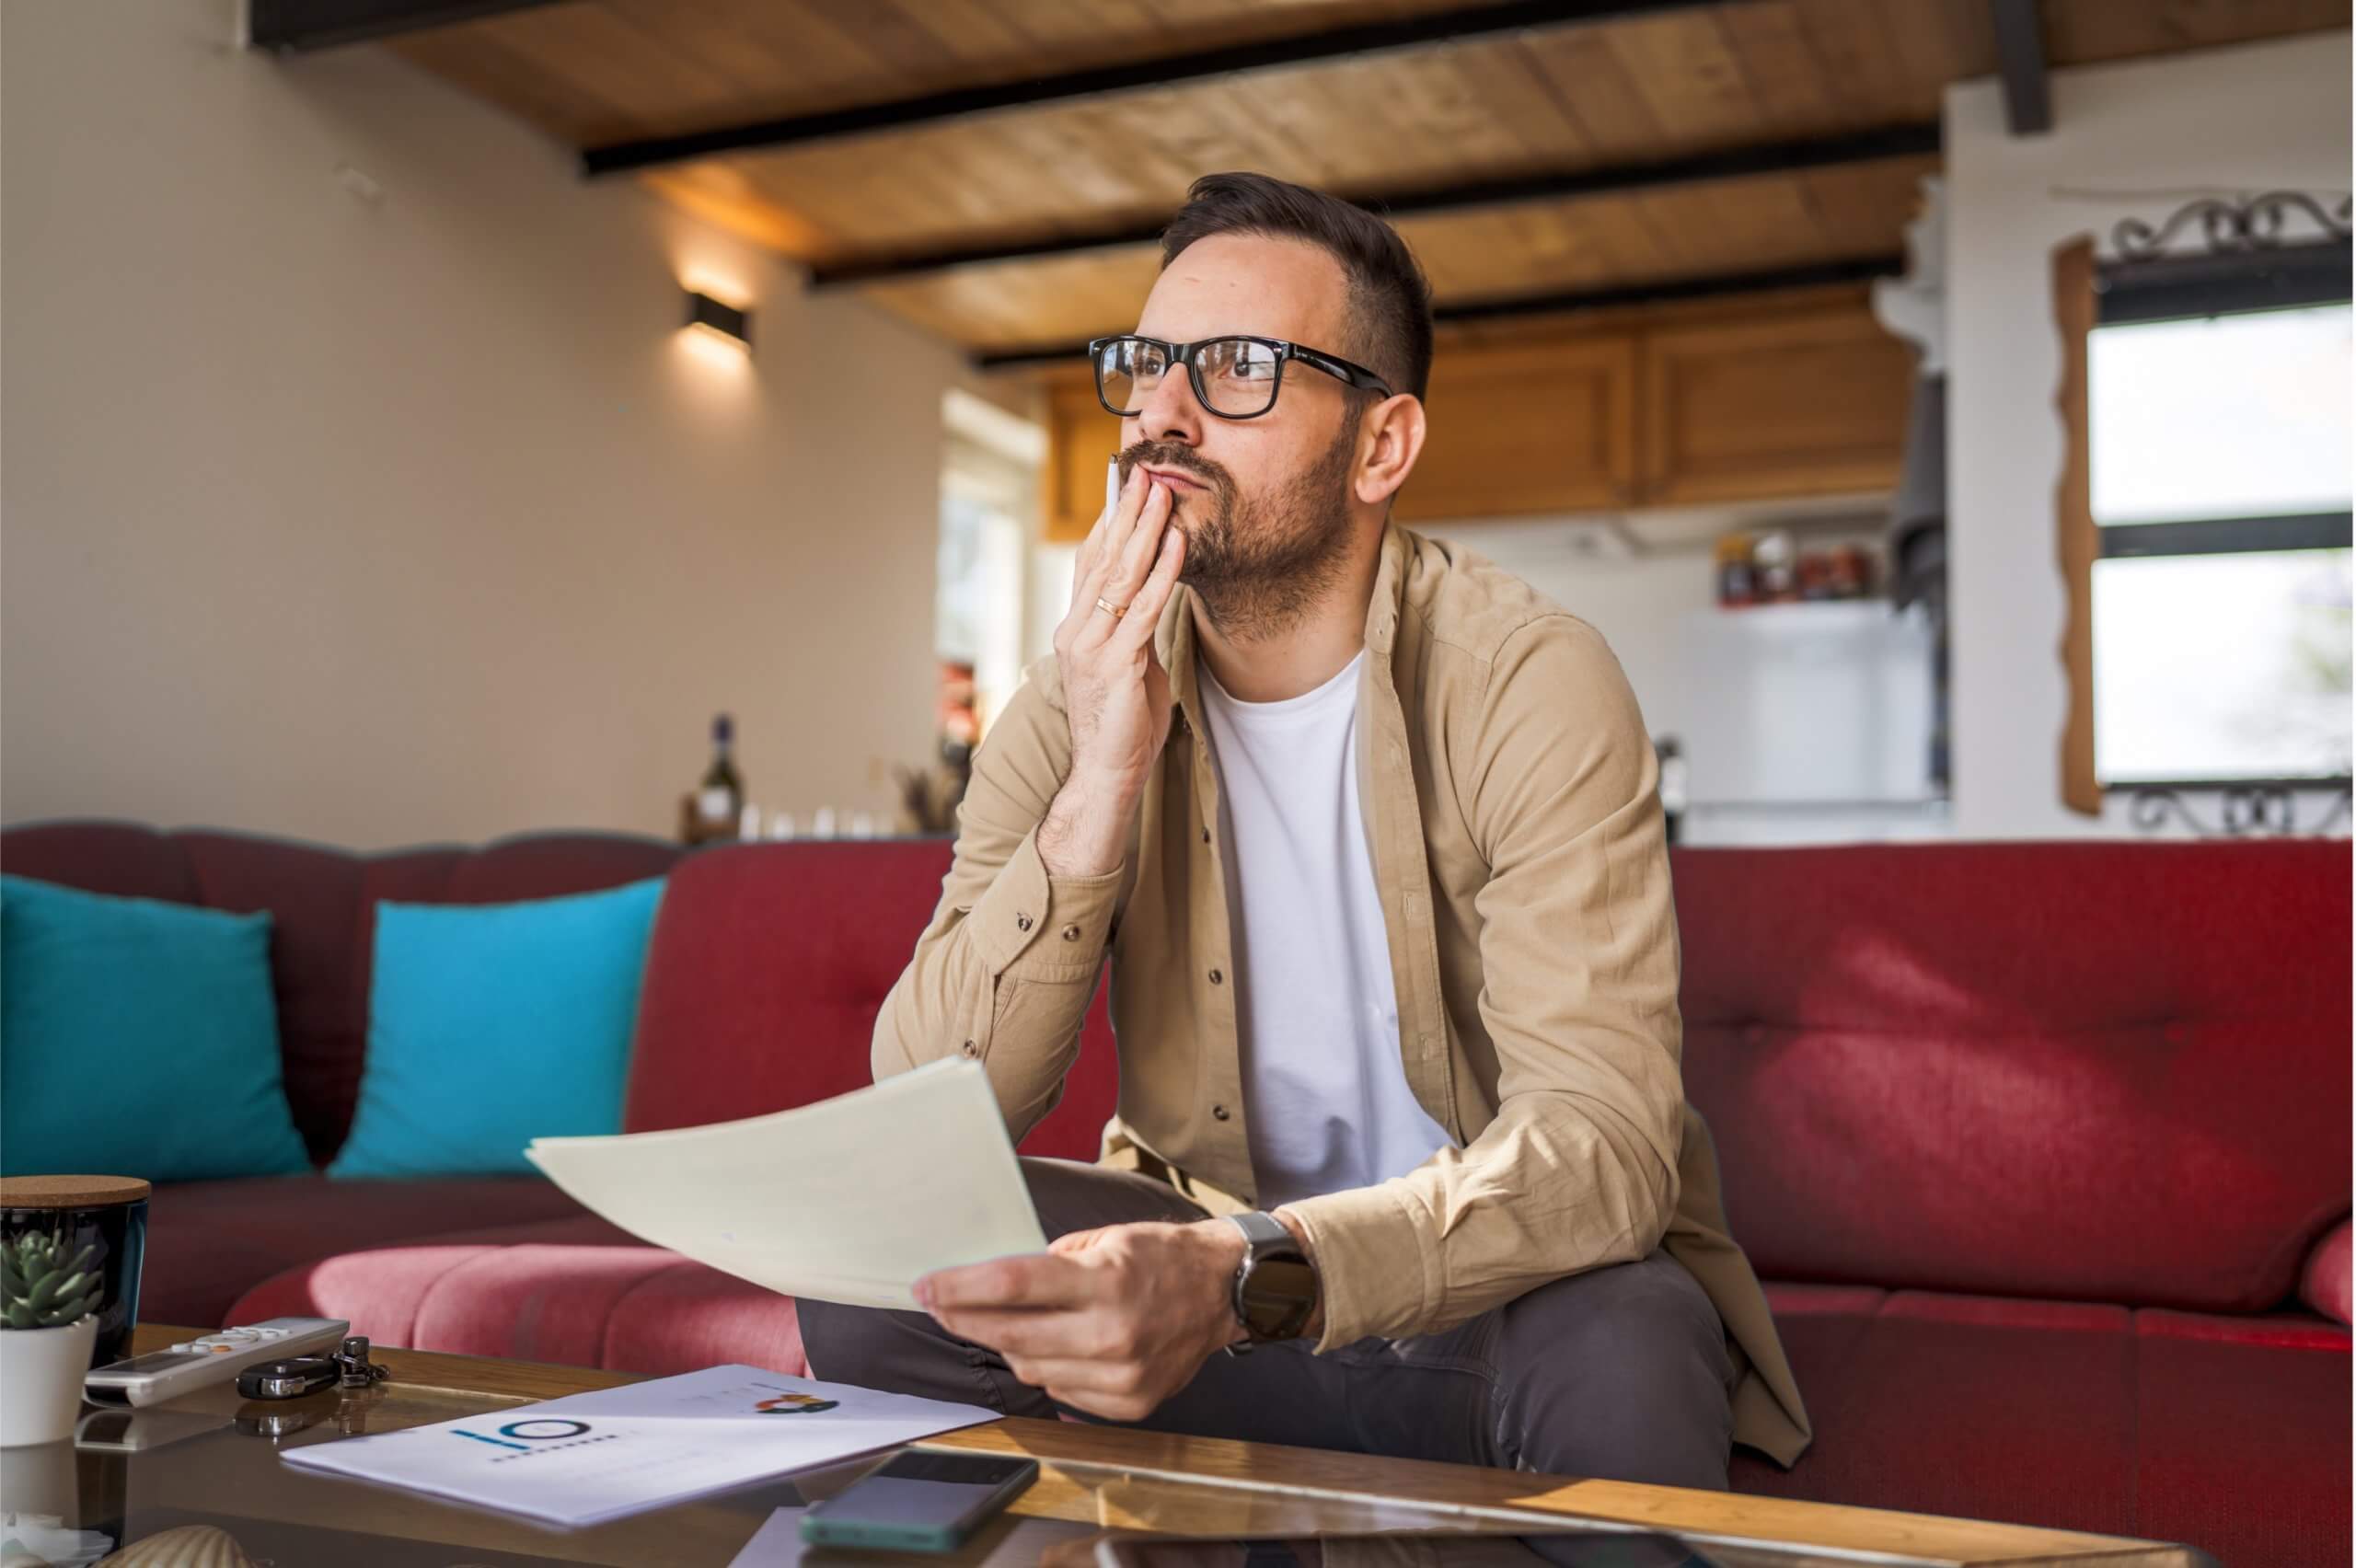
48,1305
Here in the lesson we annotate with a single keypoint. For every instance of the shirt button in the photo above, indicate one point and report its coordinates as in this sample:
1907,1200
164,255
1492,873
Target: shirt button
1218,1113
1217,977
1071,933
1207,835
967,1049
1022,922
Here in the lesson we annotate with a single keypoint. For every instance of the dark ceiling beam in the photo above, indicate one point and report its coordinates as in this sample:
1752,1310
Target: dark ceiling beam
1824,274
1735,163
1815,275
298,27
932,108
2020,59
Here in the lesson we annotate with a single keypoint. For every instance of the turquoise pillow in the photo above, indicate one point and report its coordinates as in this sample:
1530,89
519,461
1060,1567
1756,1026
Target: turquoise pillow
137,1038
494,1024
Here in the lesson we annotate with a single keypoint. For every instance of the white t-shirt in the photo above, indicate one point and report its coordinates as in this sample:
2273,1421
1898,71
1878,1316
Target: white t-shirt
1325,1100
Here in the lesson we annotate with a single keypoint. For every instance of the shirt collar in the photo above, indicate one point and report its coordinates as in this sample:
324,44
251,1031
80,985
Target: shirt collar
1389,590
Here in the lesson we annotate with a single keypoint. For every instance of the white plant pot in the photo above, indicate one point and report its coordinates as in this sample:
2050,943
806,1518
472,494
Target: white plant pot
41,1381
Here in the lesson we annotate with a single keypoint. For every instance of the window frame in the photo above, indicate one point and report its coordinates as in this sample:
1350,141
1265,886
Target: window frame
2090,293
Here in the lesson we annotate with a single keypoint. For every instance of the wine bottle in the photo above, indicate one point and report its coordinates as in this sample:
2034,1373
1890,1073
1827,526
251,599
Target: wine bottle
720,798
1673,787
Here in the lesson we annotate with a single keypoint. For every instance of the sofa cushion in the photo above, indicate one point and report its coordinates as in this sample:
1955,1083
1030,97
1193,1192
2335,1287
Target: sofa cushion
2242,1436
768,964
2327,1283
533,865
140,1039
209,1242
578,1293
2111,1072
490,1025
2231,1434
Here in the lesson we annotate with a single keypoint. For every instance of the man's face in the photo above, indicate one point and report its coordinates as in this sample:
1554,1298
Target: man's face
1264,501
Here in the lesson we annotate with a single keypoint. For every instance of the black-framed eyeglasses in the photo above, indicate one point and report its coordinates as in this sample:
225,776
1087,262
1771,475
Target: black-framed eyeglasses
1235,378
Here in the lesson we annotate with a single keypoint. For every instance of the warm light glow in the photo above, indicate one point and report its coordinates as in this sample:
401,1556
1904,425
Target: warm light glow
716,349
724,287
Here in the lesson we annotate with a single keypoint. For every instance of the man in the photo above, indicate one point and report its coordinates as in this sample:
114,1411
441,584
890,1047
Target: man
1370,831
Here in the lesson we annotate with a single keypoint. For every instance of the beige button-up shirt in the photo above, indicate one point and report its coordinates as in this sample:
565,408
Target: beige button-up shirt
1509,786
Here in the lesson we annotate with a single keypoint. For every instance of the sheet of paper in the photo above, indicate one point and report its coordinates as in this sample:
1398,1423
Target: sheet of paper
852,1200
588,1457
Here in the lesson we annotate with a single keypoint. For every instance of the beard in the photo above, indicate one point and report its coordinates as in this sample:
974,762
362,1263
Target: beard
1259,563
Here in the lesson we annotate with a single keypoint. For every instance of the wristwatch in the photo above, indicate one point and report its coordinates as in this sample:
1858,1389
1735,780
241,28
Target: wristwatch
1276,1289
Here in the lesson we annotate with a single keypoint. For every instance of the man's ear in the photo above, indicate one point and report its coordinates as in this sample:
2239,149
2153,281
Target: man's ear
1390,437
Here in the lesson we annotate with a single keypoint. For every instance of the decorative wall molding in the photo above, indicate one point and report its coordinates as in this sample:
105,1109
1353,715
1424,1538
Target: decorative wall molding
2231,226
2243,811
1915,306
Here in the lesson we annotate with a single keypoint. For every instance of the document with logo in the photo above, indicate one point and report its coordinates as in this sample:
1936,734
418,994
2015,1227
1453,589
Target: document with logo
589,1457
852,1200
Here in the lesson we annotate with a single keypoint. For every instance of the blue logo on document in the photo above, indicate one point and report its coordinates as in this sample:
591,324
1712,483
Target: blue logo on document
522,1435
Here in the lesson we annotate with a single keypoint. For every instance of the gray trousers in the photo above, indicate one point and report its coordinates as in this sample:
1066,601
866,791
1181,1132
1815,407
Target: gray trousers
1620,1372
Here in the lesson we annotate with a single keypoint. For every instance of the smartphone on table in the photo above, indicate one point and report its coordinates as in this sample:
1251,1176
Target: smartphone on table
919,1500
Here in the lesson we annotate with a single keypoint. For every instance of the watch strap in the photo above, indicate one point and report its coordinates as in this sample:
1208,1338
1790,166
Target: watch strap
1262,1230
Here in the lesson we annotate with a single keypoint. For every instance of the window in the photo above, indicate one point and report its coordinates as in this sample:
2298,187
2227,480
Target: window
988,489
2219,449
2211,465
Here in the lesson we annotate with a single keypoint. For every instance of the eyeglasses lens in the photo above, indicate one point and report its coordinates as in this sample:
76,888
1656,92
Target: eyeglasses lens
1235,377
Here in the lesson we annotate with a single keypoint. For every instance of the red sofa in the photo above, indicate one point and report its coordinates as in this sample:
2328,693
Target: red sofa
2042,1149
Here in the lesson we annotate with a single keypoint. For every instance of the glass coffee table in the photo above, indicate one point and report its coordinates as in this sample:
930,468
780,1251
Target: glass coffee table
205,1470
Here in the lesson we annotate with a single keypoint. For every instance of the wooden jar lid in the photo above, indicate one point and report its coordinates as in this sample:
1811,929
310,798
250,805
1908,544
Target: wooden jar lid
70,1192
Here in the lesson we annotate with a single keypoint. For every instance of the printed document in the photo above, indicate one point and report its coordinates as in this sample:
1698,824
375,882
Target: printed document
589,1457
852,1200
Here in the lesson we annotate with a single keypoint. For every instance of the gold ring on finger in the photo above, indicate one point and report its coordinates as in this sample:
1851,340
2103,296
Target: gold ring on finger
1115,611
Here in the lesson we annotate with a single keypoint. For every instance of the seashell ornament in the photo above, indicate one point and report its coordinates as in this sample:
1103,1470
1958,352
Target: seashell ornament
184,1545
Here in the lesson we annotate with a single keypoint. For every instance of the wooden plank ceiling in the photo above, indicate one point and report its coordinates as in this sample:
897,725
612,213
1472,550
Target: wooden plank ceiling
1677,85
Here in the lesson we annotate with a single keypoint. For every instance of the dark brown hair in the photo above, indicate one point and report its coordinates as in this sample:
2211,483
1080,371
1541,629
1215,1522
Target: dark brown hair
1390,302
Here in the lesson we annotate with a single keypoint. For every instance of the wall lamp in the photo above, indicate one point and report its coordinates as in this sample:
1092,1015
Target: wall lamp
708,315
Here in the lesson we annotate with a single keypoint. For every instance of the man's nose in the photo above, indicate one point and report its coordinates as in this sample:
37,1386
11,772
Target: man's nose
1170,412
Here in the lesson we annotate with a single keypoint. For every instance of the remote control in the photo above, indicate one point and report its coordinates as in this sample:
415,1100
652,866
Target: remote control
209,1359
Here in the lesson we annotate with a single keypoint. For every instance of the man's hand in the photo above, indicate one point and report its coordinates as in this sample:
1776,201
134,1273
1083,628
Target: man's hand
1116,694
1110,1321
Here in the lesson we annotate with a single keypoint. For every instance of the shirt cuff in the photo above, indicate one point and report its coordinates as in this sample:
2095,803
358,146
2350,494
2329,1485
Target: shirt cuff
1036,927
1377,1267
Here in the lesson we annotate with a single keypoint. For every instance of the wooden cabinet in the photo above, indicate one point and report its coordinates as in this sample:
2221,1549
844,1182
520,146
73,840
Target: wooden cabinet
1795,403
1080,437
1790,397
1547,426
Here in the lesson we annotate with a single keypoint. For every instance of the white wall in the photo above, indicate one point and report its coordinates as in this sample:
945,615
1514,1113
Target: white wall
2153,134
1635,602
1650,607
383,521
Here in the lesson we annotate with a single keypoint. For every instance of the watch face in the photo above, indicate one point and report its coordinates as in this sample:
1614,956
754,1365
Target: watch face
1279,1295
